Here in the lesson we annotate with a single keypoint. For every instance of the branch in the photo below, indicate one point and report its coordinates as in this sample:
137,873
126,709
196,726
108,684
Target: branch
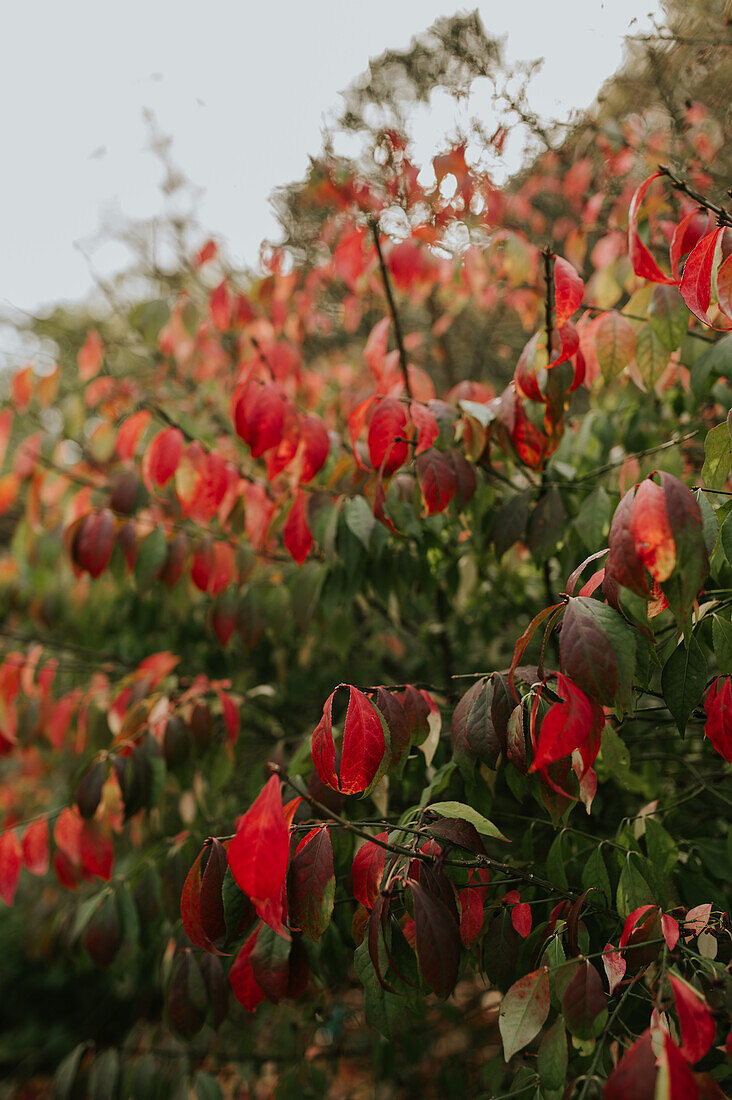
548,256
724,218
392,306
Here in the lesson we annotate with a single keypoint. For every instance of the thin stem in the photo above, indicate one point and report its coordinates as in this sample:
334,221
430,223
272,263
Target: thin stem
392,306
723,216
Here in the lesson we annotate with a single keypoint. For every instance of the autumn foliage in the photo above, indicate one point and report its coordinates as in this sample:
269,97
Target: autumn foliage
290,481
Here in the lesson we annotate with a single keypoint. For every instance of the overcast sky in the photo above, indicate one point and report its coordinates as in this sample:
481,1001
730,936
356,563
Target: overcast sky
242,87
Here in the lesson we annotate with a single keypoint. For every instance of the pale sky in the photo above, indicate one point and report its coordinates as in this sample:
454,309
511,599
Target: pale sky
242,88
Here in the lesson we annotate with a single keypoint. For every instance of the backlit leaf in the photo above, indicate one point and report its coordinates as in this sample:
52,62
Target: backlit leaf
524,1010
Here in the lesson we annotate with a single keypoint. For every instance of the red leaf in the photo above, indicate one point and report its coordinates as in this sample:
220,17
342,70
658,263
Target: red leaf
311,883
162,457
681,1080
314,447
426,424
438,940
206,252
368,870
296,533
634,1077
232,720
614,965
437,480
67,834
388,423
687,235
696,282
241,977
363,749
129,432
220,306
521,918
696,1021
643,262
259,853
10,864
96,851
583,1000
568,290
91,356
651,530
270,962
35,847
211,905
623,564
190,903
348,257
718,707
259,416
471,915
93,542
574,723
670,928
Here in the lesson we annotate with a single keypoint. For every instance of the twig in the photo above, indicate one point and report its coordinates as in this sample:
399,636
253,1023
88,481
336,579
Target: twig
723,216
392,306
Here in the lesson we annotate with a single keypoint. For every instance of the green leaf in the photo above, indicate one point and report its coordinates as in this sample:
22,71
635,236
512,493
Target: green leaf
717,457
555,862
510,521
467,813
383,1009
524,1010
593,519
661,847
722,641
207,1087
710,521
359,519
683,681
151,557
717,359
597,649
594,875
726,538
668,316
633,889
546,524
552,1060
651,356
66,1073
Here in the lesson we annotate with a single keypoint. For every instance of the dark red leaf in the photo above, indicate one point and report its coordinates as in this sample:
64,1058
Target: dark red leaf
438,940
103,933
93,542
311,884
187,997
437,480
634,1078
270,963
584,1001
211,905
